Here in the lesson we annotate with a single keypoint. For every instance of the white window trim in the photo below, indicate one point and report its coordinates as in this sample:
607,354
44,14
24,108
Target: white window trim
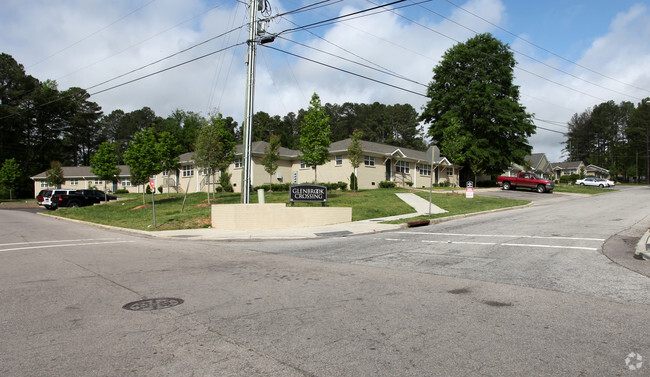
369,161
400,168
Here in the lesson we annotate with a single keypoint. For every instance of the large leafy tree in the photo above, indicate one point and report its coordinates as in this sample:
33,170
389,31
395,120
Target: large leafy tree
104,164
315,135
81,136
638,134
10,175
473,85
215,146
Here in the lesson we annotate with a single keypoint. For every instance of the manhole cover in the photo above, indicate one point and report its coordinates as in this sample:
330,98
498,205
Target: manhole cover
153,304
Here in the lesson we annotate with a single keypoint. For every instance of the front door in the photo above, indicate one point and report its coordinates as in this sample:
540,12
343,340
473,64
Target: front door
389,171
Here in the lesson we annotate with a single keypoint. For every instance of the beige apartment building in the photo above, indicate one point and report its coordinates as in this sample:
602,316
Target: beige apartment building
381,162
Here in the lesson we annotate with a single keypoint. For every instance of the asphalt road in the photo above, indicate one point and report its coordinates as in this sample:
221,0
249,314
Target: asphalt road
526,292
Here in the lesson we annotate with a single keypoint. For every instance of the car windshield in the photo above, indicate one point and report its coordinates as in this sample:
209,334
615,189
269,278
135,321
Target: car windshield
533,175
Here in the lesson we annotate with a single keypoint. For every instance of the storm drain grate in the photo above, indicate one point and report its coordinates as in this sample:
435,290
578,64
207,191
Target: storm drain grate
153,304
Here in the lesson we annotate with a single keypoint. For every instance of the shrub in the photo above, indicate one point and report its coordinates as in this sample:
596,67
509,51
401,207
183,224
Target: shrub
386,184
224,181
342,185
160,189
122,191
409,183
354,184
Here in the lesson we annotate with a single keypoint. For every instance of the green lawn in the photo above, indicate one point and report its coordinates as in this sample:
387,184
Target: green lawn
577,189
366,204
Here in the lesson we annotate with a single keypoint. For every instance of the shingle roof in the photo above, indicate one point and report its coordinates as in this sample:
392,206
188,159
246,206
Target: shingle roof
82,172
566,165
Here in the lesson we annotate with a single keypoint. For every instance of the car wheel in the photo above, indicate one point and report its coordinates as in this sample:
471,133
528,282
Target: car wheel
582,183
601,185
506,185
73,204
541,188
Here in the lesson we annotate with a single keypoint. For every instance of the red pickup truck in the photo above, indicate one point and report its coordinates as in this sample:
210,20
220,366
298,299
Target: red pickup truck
526,180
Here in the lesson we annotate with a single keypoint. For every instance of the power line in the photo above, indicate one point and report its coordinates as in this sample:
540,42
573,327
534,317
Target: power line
520,53
92,34
546,50
384,71
345,71
167,69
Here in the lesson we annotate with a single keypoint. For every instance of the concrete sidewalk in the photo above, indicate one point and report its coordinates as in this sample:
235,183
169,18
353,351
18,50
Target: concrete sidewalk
420,206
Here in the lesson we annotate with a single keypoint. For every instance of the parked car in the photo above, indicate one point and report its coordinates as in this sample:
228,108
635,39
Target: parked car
610,182
526,180
99,195
40,198
72,198
47,200
592,181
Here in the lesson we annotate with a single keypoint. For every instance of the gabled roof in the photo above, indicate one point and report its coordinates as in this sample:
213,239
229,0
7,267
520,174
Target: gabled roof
535,160
385,150
82,172
592,167
567,165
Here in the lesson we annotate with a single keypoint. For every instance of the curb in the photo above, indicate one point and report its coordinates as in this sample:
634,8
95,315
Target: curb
642,250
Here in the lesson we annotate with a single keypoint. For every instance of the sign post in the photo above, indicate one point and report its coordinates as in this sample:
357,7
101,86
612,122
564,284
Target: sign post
433,155
469,190
152,187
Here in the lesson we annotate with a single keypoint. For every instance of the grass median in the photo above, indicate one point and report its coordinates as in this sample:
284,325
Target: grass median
131,212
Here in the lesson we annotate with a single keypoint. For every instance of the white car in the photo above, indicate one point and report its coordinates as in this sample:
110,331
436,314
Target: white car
610,183
593,181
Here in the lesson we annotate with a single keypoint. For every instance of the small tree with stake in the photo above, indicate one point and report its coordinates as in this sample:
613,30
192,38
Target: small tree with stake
355,150
271,157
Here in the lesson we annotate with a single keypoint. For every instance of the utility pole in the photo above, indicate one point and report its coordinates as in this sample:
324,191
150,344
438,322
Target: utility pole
250,95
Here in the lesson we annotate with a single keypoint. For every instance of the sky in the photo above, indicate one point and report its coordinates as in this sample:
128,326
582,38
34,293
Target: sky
191,54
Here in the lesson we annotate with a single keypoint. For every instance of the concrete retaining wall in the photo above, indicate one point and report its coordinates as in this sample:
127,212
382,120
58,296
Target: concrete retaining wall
275,216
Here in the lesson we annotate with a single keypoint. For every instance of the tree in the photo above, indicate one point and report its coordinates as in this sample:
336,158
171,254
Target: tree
355,152
215,146
473,84
10,175
271,157
315,135
104,164
54,177
143,158
168,150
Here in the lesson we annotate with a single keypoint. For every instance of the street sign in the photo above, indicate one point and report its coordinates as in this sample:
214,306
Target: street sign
433,154
469,190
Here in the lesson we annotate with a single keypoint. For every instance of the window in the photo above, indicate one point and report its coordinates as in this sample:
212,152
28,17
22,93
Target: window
450,171
303,165
165,173
43,183
402,167
74,182
425,169
125,182
188,170
339,159
238,163
97,181
368,161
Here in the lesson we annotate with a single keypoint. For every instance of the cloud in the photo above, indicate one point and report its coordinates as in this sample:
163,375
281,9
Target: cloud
82,43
